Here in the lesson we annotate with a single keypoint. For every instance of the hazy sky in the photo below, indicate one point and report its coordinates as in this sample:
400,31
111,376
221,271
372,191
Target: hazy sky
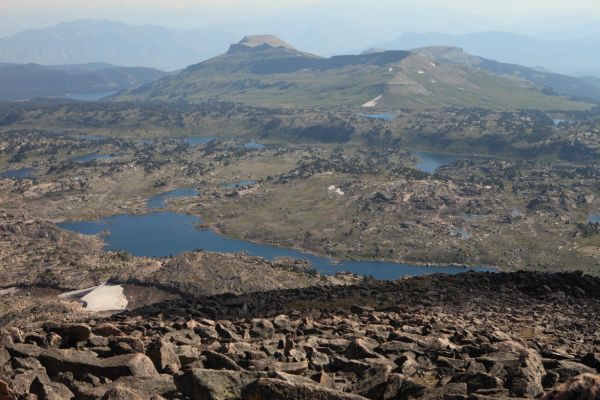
524,16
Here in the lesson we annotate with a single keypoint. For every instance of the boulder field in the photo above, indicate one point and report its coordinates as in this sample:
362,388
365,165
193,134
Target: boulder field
472,336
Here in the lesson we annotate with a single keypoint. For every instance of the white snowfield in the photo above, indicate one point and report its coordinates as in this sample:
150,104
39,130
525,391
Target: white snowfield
372,103
336,190
100,298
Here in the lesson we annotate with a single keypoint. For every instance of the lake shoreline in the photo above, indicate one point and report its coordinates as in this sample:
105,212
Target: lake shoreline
195,236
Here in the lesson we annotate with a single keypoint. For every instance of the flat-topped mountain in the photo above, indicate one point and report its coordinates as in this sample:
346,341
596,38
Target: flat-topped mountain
266,71
263,40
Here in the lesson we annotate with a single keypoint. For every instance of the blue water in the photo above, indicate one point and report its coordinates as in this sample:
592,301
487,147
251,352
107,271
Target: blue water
163,234
160,201
558,122
254,146
594,218
383,117
430,162
199,140
473,217
239,185
94,138
463,233
22,173
91,157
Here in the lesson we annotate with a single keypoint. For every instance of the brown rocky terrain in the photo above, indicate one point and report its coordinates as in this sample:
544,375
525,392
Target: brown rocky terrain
470,336
36,253
507,213
204,325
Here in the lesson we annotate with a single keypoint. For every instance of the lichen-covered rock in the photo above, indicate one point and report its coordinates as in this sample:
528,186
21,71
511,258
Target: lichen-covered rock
582,387
163,356
80,363
267,388
205,384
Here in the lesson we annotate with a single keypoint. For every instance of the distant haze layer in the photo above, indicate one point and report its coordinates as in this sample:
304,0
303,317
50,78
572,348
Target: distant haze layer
391,16
173,34
92,41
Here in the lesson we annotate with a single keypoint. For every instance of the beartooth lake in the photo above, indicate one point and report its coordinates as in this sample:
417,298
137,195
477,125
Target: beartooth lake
165,233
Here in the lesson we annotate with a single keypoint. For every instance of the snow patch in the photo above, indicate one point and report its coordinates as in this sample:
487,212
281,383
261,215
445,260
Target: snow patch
336,190
433,64
372,103
100,298
421,71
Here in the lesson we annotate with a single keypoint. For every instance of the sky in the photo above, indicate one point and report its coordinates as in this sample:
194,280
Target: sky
522,16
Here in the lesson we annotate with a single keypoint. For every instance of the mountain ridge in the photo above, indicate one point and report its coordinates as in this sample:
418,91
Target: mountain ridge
576,88
575,55
92,41
274,73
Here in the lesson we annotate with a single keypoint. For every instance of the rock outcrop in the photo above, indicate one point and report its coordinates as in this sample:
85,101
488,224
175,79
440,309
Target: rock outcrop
474,336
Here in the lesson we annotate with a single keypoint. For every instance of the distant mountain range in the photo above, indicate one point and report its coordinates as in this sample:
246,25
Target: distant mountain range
264,70
593,80
92,41
26,81
570,52
575,56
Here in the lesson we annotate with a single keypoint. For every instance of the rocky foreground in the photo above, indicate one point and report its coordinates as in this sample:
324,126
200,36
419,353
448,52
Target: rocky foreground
473,336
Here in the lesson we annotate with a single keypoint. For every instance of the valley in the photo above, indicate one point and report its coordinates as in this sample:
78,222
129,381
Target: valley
337,200
270,223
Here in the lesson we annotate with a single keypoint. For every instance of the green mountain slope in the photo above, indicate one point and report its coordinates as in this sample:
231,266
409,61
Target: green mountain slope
576,88
266,71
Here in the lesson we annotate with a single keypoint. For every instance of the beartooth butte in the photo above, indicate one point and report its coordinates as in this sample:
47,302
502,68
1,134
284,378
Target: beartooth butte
266,71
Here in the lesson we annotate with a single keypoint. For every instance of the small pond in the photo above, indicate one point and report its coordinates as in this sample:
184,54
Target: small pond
239,184
382,117
462,232
23,173
558,122
160,201
199,140
254,146
91,157
430,162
